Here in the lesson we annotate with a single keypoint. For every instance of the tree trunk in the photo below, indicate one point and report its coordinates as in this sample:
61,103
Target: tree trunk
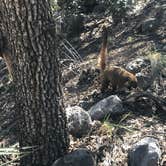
34,48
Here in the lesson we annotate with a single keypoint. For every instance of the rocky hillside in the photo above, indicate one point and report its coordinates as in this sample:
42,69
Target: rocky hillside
113,128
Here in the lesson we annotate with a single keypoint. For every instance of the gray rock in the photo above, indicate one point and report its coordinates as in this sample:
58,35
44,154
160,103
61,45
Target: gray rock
109,105
137,64
84,104
146,152
79,121
79,157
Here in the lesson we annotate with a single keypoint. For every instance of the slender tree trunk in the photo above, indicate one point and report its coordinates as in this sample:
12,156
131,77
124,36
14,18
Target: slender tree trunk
34,46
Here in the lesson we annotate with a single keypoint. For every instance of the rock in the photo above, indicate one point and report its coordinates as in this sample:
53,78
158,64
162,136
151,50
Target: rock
109,105
146,152
79,121
79,157
84,104
137,64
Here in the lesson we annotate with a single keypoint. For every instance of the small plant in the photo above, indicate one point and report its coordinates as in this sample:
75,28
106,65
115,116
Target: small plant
109,127
130,39
15,155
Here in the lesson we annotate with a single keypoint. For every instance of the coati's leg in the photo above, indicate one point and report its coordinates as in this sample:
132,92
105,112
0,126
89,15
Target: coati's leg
104,85
114,83
114,88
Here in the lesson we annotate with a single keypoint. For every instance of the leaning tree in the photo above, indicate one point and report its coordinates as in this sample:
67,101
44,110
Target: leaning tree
30,28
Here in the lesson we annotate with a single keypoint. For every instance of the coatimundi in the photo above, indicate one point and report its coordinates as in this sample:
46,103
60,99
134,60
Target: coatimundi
5,53
114,75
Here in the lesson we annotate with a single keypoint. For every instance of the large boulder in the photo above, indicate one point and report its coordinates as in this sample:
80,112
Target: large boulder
79,157
146,152
79,121
109,105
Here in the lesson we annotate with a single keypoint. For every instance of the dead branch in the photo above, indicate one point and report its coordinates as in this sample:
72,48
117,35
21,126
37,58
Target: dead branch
134,97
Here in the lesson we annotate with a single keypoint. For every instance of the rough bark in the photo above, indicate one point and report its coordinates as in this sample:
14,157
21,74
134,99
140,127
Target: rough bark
34,48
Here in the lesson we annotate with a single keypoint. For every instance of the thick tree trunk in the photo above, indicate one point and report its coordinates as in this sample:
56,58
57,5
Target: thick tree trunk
42,121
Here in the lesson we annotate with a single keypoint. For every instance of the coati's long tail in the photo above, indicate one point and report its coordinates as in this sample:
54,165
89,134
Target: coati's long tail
103,51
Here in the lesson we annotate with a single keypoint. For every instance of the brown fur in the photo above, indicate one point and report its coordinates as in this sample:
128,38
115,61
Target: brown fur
8,62
118,78
114,75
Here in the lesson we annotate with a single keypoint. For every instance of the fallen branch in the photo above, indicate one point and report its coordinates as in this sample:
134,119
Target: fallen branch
133,98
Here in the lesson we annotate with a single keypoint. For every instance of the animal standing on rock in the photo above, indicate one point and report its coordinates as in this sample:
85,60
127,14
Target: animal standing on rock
114,75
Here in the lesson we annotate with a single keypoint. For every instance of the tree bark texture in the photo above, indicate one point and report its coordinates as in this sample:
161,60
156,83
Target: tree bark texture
34,48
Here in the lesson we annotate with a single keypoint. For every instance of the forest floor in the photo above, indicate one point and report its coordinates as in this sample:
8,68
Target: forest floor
126,43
